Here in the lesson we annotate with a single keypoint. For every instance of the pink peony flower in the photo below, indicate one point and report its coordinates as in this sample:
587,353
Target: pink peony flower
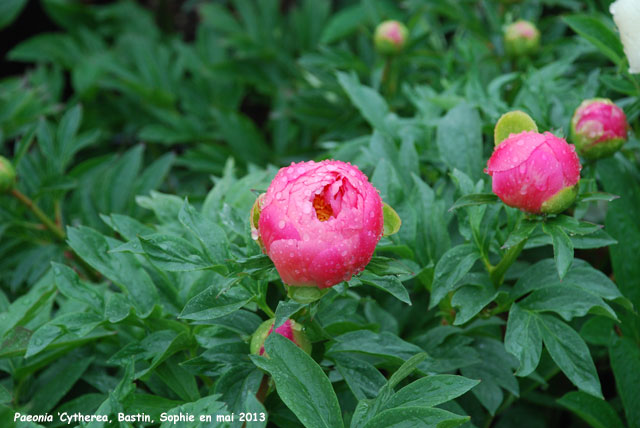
598,128
320,222
534,172
390,37
290,329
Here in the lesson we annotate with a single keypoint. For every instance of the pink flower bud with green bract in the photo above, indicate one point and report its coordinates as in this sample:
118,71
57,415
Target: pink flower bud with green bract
537,173
521,38
390,37
598,128
290,329
320,222
7,175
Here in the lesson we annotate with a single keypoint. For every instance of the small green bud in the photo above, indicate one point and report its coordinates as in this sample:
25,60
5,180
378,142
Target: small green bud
290,329
7,175
390,37
521,38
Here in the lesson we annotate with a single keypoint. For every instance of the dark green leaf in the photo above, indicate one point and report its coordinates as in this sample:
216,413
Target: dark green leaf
301,383
595,411
474,199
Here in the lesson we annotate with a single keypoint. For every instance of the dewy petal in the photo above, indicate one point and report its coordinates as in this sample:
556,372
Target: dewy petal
609,119
514,150
551,166
567,157
307,250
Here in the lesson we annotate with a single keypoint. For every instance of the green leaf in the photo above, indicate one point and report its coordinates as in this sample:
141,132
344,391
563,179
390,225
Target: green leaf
122,268
172,253
572,226
590,286
625,362
343,23
406,369
597,196
471,299
459,140
474,199
285,309
9,10
389,283
162,345
430,391
237,385
5,396
594,411
598,34
370,103
26,307
407,417
522,231
392,221
451,268
363,379
301,383
495,371
211,236
204,406
70,285
385,344
523,339
622,223
58,379
79,324
570,353
562,248
218,300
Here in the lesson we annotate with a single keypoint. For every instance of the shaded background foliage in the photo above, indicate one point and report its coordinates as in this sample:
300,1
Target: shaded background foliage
115,113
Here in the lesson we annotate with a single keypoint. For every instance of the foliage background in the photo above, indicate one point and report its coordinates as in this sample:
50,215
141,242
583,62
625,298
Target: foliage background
145,130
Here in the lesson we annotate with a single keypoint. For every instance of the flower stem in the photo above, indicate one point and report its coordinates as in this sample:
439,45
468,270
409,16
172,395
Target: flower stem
496,273
46,221
265,308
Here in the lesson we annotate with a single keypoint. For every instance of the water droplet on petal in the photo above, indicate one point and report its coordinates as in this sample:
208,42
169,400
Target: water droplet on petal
281,224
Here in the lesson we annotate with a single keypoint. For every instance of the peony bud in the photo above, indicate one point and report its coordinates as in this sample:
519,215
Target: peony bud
390,37
521,38
626,14
320,222
537,173
290,329
598,128
7,175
